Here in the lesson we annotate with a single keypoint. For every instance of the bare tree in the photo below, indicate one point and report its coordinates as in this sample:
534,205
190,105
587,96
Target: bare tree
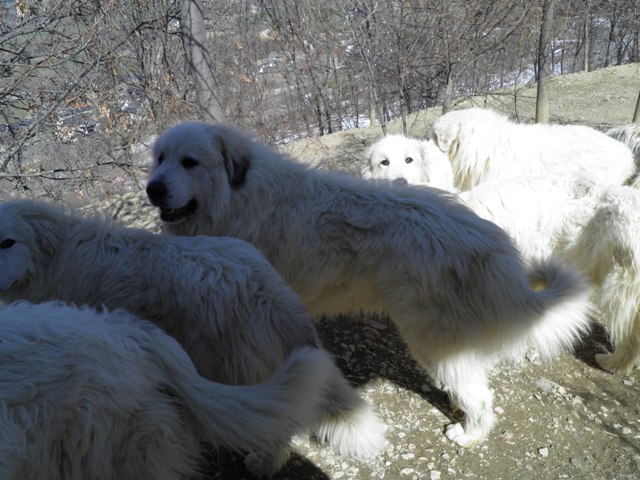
194,36
587,37
85,84
544,68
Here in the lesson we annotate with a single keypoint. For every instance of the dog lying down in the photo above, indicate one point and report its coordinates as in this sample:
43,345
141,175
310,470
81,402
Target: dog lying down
223,302
453,283
87,395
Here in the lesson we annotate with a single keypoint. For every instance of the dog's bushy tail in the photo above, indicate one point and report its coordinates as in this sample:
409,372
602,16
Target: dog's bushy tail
350,425
260,417
561,295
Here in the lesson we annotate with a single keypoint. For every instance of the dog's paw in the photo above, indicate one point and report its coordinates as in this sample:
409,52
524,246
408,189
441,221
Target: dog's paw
265,464
456,434
615,363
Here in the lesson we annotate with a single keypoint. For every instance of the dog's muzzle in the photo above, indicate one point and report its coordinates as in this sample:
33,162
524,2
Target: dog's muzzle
157,193
176,214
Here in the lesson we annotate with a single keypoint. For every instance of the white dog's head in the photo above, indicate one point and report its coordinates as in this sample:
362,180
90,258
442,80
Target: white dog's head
24,237
396,157
195,168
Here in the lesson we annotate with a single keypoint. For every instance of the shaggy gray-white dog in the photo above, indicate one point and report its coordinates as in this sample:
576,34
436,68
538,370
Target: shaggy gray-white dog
484,145
219,297
453,283
105,395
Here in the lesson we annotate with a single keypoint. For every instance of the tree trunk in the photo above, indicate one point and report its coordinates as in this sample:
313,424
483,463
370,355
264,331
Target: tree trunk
194,37
544,67
587,41
373,115
636,113
444,94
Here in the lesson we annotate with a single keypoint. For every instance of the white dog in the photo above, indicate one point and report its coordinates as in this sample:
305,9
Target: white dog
453,283
99,395
594,228
483,145
398,157
219,297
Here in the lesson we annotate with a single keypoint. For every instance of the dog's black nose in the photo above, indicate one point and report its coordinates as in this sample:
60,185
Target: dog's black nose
400,181
156,191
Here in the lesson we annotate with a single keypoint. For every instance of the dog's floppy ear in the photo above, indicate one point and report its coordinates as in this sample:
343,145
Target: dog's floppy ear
235,149
45,220
444,134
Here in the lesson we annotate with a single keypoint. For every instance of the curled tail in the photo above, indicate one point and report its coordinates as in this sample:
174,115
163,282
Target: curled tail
261,418
561,295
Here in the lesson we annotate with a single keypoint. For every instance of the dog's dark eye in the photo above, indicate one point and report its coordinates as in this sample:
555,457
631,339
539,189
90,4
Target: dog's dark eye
385,162
188,162
160,158
8,243
408,160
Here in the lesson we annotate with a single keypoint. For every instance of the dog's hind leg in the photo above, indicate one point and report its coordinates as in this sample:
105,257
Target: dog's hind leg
618,300
465,381
626,355
349,424
463,376
456,366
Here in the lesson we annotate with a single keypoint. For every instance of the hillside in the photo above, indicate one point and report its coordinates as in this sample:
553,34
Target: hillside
568,419
601,99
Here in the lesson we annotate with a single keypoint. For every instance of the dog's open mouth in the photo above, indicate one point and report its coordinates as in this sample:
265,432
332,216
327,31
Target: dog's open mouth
175,214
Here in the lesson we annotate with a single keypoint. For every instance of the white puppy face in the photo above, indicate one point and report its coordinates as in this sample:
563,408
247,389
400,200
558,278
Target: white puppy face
395,157
194,165
16,237
417,162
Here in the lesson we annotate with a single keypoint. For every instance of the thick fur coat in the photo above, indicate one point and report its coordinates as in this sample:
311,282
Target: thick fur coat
592,227
219,297
483,145
107,396
453,283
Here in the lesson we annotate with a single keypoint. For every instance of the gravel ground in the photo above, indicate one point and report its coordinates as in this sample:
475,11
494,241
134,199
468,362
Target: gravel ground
567,419
563,420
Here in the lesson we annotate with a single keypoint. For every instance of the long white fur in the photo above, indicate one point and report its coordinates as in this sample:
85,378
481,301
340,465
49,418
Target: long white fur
219,297
105,395
629,135
453,283
483,145
398,157
593,227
